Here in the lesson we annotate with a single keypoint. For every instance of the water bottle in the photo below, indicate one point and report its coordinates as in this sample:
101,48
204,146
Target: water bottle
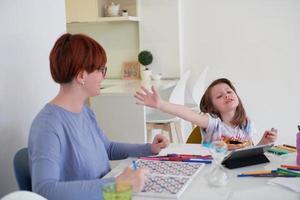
298,146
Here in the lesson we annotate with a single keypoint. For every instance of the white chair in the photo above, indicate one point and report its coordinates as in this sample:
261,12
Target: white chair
198,89
164,121
23,195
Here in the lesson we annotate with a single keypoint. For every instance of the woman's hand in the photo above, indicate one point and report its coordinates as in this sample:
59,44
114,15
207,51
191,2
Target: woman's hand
269,136
148,98
159,142
136,178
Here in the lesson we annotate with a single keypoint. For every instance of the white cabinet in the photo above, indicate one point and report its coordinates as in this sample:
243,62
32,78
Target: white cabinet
94,10
157,30
120,38
118,115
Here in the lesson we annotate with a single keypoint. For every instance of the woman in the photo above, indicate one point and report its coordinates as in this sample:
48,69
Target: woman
68,152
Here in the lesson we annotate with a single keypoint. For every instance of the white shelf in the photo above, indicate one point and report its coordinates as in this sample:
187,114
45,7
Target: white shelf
115,19
111,19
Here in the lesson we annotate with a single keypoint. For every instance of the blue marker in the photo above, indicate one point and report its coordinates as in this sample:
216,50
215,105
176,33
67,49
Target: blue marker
206,144
134,165
198,160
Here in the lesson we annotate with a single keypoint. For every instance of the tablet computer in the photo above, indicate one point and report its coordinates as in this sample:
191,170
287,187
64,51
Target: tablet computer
246,156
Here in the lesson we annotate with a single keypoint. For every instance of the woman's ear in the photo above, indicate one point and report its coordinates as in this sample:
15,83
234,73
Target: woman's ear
81,76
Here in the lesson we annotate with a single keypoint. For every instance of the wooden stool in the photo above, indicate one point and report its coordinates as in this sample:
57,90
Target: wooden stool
165,127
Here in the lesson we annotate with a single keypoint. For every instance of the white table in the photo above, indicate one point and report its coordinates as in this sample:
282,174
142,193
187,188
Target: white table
118,115
246,188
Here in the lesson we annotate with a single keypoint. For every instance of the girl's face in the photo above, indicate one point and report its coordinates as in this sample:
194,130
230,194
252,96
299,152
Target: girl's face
224,99
93,82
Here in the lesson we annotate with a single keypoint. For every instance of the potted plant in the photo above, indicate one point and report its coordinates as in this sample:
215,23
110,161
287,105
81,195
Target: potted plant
145,58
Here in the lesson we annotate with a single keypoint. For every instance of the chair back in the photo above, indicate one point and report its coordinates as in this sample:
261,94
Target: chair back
178,93
199,86
195,137
23,195
21,168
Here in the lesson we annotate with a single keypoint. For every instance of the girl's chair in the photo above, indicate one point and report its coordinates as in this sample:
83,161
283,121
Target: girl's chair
197,89
195,136
159,120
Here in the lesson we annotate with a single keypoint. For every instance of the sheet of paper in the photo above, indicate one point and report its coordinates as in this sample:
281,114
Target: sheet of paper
290,183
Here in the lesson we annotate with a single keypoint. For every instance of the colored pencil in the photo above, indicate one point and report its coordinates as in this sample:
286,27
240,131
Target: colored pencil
189,155
289,146
265,175
259,172
177,159
293,169
286,148
198,161
277,151
134,165
291,166
161,159
288,172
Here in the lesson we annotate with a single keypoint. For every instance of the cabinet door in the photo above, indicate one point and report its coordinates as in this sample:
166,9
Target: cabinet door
120,118
81,10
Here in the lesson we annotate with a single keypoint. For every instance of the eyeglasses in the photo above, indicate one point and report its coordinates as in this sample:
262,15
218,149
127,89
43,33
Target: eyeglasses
103,70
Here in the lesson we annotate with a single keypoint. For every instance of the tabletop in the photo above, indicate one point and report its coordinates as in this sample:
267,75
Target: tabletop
253,188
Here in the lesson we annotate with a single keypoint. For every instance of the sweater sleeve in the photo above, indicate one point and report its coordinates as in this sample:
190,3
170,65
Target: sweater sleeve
116,150
44,153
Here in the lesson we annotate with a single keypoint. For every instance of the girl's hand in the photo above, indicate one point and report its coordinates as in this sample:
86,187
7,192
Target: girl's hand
159,142
269,136
136,178
148,98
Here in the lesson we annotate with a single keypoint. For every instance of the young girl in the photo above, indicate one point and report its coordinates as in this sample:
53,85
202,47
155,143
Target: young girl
224,116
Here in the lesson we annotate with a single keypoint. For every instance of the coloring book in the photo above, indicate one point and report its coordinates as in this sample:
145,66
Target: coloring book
167,179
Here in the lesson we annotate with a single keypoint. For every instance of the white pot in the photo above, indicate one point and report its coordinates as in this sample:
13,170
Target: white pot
113,10
146,75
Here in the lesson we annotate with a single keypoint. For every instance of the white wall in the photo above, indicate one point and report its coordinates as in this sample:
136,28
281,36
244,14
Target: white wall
159,33
256,44
28,31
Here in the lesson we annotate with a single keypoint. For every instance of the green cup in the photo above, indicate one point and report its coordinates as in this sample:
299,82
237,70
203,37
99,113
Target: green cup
113,191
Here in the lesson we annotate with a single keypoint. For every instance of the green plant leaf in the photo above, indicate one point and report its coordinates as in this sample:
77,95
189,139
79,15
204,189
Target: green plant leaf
145,58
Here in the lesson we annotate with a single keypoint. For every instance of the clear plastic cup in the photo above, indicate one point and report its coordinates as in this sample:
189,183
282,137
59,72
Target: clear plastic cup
217,175
113,191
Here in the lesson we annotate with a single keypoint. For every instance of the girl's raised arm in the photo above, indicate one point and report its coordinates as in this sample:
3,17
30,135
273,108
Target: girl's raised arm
153,100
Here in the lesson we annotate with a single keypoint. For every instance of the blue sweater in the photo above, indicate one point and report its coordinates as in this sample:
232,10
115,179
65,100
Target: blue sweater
69,154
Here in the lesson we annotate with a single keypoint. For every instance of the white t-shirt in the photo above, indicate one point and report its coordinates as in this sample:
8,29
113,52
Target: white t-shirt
218,130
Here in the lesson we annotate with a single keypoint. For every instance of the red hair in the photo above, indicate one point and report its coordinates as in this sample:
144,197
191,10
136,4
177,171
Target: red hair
72,54
206,105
